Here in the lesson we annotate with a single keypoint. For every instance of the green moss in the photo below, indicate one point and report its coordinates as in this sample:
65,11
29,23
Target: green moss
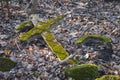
41,23
109,77
49,36
84,37
55,46
72,61
28,23
6,64
54,20
36,74
82,72
38,29
60,51
32,32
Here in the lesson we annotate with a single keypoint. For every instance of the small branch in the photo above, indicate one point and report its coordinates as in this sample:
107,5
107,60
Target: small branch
17,45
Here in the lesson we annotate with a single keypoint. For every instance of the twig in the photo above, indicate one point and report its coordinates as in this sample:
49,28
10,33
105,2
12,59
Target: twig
17,45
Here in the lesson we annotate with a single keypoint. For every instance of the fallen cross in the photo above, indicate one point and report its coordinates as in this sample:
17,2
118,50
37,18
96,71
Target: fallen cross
43,28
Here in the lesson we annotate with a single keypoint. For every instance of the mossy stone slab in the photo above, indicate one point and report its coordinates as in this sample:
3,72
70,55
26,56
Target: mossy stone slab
109,77
6,64
84,37
55,46
82,72
99,43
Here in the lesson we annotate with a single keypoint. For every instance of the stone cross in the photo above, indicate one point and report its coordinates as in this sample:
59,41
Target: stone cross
43,28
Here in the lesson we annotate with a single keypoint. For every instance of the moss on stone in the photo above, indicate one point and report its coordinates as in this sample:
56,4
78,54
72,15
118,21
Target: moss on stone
109,77
82,72
49,36
84,37
55,46
41,22
39,28
59,51
23,24
6,64
32,32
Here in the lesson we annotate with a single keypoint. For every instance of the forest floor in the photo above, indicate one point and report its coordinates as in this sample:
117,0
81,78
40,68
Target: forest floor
35,59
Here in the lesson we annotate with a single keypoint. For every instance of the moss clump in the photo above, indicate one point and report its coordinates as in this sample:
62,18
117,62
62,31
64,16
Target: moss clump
84,37
55,46
6,64
109,77
36,74
82,72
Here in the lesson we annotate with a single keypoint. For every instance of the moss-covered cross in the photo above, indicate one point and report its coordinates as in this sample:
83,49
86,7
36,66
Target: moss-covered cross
43,28
39,28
